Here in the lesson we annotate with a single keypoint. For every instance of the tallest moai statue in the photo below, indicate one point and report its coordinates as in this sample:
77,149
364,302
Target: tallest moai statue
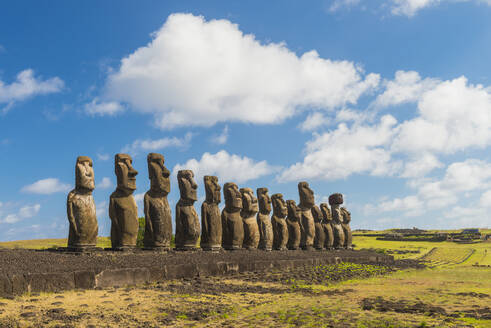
307,225
122,206
81,207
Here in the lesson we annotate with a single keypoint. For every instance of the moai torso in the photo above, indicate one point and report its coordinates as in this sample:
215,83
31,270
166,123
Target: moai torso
264,220
232,225
293,221
248,214
346,228
326,224
320,235
187,221
307,223
211,222
335,200
158,216
280,228
81,207
122,206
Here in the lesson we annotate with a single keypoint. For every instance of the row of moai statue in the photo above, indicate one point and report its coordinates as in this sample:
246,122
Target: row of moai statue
244,222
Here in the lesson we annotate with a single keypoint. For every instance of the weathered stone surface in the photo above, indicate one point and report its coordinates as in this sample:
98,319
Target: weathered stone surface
327,225
337,218
187,221
336,199
81,207
280,228
320,233
248,213
122,206
232,225
293,221
346,228
211,222
264,220
307,225
158,216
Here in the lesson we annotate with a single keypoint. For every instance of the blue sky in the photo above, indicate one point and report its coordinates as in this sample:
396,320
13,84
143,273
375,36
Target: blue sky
388,102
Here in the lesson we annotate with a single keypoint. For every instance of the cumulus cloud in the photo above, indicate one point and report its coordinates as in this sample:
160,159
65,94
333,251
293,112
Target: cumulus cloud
98,108
46,187
105,183
485,200
103,157
406,87
453,116
24,212
314,121
149,145
457,184
26,86
420,165
345,151
228,167
198,72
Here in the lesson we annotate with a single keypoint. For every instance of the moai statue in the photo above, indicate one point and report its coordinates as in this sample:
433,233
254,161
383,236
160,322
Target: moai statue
122,206
264,220
320,234
293,222
158,217
232,225
80,207
327,225
187,221
211,223
280,228
335,200
346,228
248,214
307,223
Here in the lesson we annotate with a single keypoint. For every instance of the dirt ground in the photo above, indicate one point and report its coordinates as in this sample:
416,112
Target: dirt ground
341,295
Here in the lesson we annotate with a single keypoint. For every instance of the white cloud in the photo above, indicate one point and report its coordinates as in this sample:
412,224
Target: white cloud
24,212
103,157
27,85
46,186
228,167
338,154
197,72
453,116
338,4
142,145
105,183
461,179
314,121
96,107
485,200
222,138
420,165
406,87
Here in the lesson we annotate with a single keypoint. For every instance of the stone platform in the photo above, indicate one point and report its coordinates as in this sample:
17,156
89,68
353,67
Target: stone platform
23,271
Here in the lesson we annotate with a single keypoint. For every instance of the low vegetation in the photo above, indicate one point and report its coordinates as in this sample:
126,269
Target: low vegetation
454,290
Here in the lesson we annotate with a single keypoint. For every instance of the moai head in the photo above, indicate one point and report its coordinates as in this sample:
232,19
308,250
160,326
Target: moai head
84,174
306,195
264,200
317,213
336,199
187,186
125,173
326,212
212,189
249,201
293,209
233,198
158,173
279,206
